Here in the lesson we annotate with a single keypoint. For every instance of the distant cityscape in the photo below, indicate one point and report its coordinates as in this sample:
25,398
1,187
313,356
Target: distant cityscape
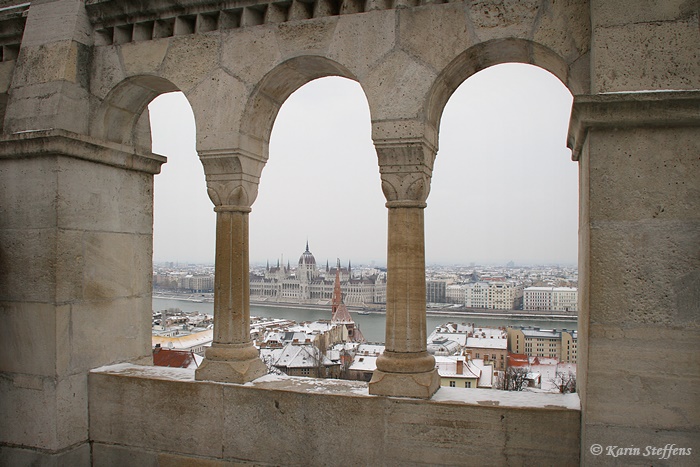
467,355
509,287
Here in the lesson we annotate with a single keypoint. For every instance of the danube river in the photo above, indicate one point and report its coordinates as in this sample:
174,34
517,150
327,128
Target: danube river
372,325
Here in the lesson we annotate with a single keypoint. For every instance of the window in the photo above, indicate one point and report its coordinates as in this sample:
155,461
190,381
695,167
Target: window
453,384
467,384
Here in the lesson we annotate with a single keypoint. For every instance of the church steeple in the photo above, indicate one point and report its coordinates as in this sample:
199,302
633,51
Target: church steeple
337,293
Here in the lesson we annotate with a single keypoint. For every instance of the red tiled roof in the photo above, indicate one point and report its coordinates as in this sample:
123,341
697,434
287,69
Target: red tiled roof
515,359
172,358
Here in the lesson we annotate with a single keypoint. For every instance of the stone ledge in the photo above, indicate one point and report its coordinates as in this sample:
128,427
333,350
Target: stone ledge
142,412
473,397
631,109
64,143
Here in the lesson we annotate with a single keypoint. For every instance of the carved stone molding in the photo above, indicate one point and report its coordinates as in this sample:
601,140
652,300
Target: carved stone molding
232,178
631,109
406,168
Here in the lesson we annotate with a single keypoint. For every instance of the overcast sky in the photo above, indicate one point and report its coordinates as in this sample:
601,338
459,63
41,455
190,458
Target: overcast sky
504,187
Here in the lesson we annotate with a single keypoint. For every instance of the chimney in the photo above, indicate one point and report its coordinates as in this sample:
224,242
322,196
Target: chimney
460,367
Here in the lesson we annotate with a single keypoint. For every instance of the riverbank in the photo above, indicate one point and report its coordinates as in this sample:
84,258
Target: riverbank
448,311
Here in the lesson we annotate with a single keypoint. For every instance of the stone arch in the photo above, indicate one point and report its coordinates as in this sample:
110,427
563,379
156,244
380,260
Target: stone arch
275,87
495,52
120,117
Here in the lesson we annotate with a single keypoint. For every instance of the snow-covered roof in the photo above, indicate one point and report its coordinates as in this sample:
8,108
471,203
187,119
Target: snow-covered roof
185,342
460,338
487,343
364,363
300,356
370,349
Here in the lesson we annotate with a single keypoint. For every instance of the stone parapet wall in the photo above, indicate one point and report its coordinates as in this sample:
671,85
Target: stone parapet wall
154,416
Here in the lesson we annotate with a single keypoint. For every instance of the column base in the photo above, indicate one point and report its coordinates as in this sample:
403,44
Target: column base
230,365
418,385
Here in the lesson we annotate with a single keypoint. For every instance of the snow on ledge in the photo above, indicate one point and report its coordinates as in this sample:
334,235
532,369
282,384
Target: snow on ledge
154,372
475,397
514,399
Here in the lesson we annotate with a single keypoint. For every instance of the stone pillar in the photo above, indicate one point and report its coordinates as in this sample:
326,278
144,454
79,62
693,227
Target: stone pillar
405,368
232,357
76,220
638,270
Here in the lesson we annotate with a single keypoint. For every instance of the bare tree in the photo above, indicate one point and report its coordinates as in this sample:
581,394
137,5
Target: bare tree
271,368
565,382
513,379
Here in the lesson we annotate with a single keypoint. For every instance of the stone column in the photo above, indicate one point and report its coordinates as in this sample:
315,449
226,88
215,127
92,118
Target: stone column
76,220
405,369
232,357
638,268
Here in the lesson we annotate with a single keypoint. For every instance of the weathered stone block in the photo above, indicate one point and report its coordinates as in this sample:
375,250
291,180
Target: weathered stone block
100,197
117,456
106,70
28,193
76,456
214,128
642,272
606,13
190,59
28,338
421,28
27,268
250,53
499,19
312,37
326,419
646,56
42,412
361,41
644,174
564,27
108,332
397,87
143,57
143,412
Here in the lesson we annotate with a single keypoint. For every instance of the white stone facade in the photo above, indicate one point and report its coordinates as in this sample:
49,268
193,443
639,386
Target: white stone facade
306,284
550,298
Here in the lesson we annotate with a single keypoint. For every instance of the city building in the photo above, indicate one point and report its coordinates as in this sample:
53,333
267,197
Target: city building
489,345
550,343
550,298
307,284
301,359
462,372
435,291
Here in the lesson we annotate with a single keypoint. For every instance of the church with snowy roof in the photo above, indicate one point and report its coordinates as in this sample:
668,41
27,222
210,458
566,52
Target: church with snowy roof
310,285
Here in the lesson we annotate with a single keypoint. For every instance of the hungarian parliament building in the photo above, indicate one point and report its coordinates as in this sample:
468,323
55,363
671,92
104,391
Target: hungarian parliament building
308,284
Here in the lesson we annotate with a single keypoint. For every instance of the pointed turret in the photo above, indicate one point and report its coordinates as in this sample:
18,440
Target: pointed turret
337,294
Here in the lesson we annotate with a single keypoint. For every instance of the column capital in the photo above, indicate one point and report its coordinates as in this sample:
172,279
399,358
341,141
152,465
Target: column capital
232,177
406,167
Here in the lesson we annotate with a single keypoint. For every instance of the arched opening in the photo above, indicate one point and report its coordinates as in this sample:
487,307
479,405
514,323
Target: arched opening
183,219
183,238
502,219
504,168
121,117
322,169
320,185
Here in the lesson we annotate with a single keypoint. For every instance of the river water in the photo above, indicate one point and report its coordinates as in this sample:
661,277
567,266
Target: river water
372,326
